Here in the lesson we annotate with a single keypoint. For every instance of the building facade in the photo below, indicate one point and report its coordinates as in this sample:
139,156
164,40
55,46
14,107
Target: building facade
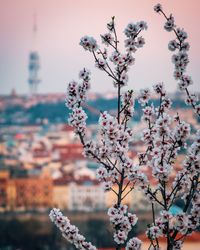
31,192
86,195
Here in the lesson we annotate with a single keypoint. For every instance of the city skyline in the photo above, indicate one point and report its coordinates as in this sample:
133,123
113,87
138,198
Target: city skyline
60,26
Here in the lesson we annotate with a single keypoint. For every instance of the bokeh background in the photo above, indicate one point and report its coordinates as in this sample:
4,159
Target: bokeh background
41,161
61,24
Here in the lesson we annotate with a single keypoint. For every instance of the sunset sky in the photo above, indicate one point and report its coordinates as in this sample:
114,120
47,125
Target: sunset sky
61,23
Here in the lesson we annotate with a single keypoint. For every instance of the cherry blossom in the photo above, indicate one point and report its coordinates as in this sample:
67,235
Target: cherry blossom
158,7
134,244
89,43
180,59
122,220
163,137
69,232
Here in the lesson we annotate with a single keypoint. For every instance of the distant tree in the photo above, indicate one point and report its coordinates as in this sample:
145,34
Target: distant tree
164,137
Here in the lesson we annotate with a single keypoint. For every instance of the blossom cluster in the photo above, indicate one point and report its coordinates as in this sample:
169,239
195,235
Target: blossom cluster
107,176
76,96
120,61
132,31
182,223
192,161
144,96
169,25
158,8
194,221
115,135
77,119
163,138
89,43
134,244
115,138
122,220
127,103
77,93
191,171
180,59
69,231
107,39
154,232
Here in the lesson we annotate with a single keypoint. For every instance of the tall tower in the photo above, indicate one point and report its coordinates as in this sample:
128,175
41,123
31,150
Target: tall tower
34,62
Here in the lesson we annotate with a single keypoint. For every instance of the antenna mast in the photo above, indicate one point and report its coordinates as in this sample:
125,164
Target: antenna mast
34,61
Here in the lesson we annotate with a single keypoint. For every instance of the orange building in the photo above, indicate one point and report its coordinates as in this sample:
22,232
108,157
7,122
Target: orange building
29,192
33,192
4,179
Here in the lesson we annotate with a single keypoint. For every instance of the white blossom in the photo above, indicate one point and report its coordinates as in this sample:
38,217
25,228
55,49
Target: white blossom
144,96
154,232
107,39
89,43
134,244
154,172
69,232
169,25
158,7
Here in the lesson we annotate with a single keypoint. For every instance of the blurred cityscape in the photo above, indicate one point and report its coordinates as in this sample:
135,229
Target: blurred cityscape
41,160
42,166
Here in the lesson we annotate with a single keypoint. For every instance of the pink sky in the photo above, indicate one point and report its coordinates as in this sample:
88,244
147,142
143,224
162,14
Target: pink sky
62,23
